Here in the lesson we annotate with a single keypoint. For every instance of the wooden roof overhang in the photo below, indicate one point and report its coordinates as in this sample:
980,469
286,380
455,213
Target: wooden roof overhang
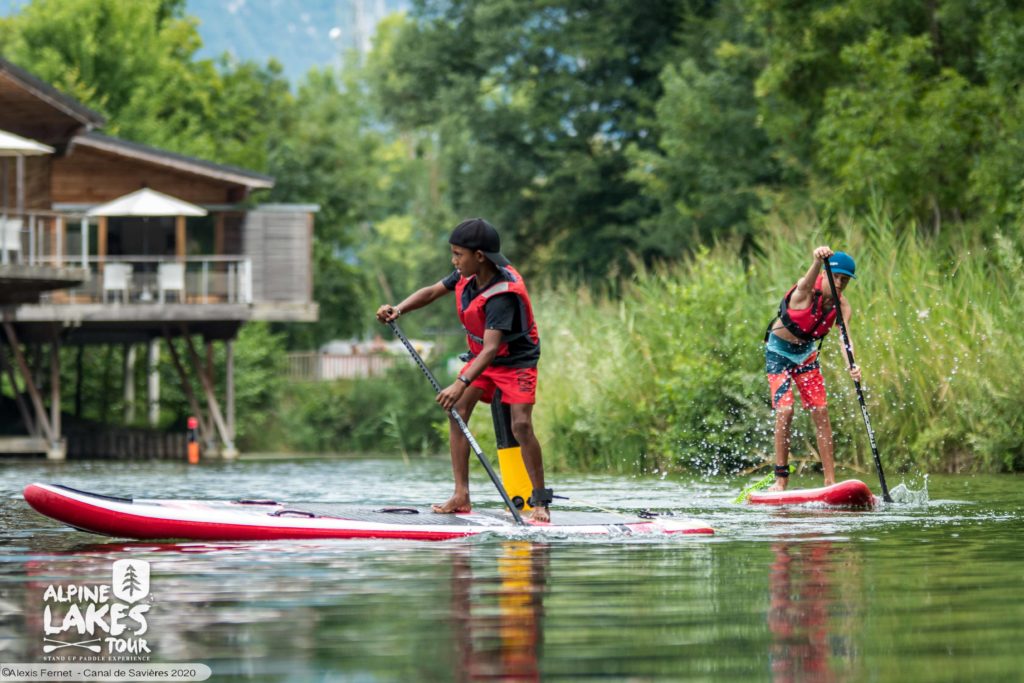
172,160
99,168
35,109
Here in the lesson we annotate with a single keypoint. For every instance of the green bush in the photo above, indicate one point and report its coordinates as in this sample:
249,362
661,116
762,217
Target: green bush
392,414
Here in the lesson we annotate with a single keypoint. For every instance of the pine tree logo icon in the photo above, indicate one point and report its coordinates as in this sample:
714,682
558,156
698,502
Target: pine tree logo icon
131,580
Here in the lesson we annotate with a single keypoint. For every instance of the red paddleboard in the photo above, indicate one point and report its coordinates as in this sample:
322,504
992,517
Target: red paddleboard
850,493
247,520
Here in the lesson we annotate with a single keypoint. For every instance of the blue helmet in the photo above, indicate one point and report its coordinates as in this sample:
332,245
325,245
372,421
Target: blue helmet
842,263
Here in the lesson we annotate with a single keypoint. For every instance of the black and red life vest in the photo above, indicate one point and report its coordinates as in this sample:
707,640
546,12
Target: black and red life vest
811,323
474,318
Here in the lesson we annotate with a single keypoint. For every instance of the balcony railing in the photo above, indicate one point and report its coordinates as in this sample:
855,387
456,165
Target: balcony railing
155,280
39,238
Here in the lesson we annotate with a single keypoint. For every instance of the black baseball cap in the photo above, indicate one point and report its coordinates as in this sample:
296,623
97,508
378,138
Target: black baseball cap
478,234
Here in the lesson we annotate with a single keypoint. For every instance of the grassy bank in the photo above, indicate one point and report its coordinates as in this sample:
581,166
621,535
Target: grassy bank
669,374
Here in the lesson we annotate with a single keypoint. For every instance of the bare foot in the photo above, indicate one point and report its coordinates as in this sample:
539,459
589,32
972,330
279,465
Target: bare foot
459,503
540,515
779,485
830,482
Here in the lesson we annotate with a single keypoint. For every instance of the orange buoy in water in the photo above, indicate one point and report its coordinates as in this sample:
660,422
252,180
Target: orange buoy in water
193,441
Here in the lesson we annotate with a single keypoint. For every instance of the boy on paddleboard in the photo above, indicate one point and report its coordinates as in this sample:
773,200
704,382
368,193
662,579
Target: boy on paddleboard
494,307
792,341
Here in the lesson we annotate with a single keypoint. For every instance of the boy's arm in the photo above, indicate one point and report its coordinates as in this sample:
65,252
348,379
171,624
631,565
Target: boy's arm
418,299
450,396
805,286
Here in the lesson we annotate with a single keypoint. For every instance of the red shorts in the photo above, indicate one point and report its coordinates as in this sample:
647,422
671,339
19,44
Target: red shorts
807,379
518,385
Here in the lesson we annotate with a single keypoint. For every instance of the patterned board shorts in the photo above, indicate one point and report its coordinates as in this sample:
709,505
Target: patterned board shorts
783,373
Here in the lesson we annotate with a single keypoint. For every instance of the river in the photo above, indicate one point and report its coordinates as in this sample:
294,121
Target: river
926,591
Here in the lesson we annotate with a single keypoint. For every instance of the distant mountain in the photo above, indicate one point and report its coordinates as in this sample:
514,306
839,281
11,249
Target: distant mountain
298,33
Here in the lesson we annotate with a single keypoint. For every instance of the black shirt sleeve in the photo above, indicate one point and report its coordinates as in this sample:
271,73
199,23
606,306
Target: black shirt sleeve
500,312
450,281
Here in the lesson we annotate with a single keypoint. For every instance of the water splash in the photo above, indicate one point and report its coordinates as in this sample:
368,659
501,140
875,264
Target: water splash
904,495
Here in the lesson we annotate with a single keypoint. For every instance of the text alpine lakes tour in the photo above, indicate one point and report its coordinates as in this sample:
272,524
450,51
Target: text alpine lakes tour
92,612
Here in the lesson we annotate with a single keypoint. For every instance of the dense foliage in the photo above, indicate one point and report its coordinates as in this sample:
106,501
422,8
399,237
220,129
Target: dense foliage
675,160
669,374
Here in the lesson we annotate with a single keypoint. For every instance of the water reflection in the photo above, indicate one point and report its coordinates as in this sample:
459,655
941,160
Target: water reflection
239,607
498,620
811,627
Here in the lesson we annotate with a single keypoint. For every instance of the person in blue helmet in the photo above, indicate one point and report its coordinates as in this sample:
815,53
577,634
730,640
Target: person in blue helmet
806,314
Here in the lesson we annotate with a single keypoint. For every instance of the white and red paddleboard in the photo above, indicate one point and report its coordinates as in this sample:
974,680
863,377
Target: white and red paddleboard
850,493
246,520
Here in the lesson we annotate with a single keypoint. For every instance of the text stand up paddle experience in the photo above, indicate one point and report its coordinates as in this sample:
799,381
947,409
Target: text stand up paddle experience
860,392
463,427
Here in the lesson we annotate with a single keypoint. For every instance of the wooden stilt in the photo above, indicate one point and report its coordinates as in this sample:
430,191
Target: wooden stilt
58,448
129,383
211,397
30,385
153,382
79,371
229,385
186,385
26,416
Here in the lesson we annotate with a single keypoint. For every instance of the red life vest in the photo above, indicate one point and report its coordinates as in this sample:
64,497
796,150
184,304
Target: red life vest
474,318
811,323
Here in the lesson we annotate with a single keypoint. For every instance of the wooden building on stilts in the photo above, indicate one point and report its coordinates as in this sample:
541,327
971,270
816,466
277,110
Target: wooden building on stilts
109,242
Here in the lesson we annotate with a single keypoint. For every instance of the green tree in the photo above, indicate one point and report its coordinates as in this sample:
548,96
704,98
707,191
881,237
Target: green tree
535,103
899,128
378,229
135,63
714,169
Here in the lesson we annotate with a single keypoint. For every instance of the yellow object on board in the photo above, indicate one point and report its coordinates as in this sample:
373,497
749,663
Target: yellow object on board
514,475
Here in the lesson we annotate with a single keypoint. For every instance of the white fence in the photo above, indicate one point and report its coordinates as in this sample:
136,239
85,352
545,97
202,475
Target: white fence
313,366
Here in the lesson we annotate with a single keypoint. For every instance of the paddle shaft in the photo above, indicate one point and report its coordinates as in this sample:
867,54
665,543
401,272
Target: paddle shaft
860,392
463,427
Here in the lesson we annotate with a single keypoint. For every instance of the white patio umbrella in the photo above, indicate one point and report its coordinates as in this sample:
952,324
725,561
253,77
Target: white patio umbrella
12,145
147,202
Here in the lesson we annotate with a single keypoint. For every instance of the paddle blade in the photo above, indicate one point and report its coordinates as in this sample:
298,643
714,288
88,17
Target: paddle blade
757,486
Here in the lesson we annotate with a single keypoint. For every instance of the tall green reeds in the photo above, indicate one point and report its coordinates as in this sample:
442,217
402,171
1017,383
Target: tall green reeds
669,374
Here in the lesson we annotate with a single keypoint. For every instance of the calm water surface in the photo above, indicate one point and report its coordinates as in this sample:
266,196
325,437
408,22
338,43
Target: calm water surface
925,591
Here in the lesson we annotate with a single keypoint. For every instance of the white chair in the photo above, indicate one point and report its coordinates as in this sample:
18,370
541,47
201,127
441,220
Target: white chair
116,278
170,277
10,238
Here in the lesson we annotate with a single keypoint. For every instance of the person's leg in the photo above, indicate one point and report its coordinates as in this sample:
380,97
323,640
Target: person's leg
783,426
522,430
823,431
781,387
459,502
815,399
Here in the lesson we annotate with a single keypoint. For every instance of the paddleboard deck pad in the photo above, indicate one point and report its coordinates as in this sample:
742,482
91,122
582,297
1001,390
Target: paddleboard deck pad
850,493
246,520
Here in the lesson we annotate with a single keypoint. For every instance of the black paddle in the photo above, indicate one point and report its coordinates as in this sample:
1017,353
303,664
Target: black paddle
860,393
460,422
